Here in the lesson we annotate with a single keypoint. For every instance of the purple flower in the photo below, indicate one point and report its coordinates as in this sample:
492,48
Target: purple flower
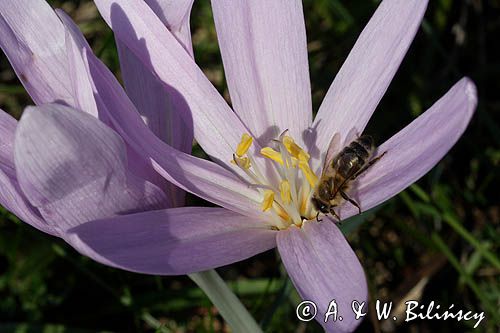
262,180
62,165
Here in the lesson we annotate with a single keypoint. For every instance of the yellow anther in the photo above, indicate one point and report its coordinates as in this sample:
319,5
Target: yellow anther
267,203
242,162
295,150
271,154
244,145
285,193
310,176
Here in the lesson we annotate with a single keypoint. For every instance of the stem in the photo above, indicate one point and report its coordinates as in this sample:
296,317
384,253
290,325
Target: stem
230,307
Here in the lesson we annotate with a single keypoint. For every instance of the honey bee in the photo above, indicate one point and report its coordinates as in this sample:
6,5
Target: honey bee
339,172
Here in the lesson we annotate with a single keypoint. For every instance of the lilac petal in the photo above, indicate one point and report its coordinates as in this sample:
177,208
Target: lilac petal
217,129
160,106
33,39
175,16
417,148
203,178
84,92
368,70
12,198
200,177
72,168
173,241
323,267
7,129
81,86
264,50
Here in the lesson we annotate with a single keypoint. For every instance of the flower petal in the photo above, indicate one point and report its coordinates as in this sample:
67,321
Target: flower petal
82,91
368,70
173,241
7,129
73,168
323,267
12,198
33,39
217,129
198,176
85,99
175,16
417,148
160,106
264,50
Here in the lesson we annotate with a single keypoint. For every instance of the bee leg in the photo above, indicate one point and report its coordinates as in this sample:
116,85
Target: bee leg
346,197
334,214
317,217
372,162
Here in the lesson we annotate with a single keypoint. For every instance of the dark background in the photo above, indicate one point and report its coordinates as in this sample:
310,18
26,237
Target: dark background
436,241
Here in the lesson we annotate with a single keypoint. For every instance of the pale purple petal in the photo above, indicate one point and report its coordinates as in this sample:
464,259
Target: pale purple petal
368,70
33,39
216,128
72,168
201,177
416,149
7,129
12,198
161,107
84,92
323,267
81,86
264,50
175,16
173,241
198,176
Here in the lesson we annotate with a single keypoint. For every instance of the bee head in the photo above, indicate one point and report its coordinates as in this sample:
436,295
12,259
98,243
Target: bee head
320,205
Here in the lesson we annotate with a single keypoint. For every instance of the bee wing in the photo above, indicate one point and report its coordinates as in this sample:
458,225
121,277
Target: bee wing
352,135
333,149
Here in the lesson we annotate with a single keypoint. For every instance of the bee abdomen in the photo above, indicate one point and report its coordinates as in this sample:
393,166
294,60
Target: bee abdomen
353,157
366,142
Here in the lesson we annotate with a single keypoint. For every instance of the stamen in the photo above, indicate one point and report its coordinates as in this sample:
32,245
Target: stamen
267,203
272,154
244,145
310,176
295,150
287,198
285,192
242,162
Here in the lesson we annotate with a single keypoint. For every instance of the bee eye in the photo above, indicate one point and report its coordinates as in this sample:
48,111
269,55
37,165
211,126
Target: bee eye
323,209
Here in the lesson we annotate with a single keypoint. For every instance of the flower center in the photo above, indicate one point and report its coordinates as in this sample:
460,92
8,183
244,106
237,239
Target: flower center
287,199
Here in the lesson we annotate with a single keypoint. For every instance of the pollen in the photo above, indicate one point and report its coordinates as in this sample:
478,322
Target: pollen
244,145
267,203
